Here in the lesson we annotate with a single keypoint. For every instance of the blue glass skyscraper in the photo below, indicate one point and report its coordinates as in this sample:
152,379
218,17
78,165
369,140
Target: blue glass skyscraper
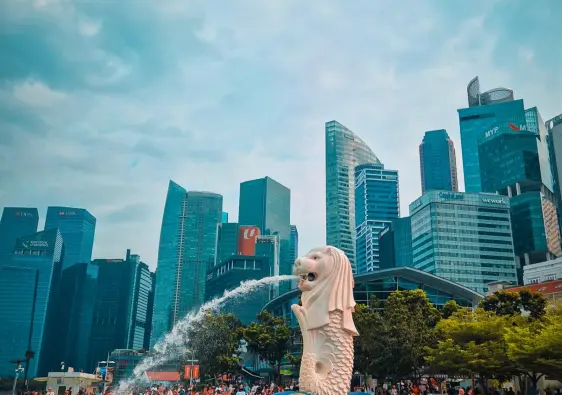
438,162
28,289
344,151
266,203
376,205
16,222
395,244
294,250
188,240
77,227
485,111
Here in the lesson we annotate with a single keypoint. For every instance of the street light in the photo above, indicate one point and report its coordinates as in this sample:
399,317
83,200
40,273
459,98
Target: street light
191,370
104,377
19,370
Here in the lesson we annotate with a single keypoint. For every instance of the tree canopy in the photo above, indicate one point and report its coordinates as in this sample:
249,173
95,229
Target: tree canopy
269,338
515,303
394,334
215,343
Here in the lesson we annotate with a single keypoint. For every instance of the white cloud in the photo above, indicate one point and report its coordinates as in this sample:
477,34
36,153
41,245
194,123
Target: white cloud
37,94
89,28
249,98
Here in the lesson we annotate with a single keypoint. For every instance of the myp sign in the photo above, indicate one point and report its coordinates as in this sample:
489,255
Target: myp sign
451,196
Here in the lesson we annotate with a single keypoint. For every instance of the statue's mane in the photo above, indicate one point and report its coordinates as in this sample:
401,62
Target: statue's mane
333,292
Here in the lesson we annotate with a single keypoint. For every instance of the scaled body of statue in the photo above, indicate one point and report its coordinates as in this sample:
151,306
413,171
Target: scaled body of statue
326,322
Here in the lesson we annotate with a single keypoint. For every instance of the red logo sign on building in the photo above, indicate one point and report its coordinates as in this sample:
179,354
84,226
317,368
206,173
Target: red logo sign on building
247,236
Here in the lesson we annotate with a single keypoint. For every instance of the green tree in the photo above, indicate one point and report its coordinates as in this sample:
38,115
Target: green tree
215,344
450,308
535,347
368,355
269,338
514,303
472,342
409,322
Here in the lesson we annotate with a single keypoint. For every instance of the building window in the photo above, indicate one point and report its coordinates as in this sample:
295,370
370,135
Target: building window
534,281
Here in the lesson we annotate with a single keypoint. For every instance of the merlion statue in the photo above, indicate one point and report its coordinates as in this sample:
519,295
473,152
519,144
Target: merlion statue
326,282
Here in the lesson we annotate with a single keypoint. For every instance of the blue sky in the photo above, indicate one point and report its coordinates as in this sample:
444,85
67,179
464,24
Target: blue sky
102,102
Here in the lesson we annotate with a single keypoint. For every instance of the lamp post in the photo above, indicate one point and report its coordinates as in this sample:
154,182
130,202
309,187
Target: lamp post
19,370
107,362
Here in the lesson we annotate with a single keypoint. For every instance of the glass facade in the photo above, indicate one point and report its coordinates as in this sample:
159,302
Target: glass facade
344,151
536,126
227,241
28,288
512,163
224,217
229,274
554,140
294,250
484,120
265,203
382,283
77,227
438,162
16,222
140,306
463,237
75,312
377,203
112,308
395,244
188,240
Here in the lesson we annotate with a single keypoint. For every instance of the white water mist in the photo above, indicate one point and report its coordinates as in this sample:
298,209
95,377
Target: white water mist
173,344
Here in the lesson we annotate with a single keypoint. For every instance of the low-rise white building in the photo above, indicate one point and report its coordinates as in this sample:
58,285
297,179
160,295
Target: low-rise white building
542,271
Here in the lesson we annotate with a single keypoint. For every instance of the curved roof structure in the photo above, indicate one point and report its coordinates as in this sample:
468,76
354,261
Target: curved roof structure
409,273
496,95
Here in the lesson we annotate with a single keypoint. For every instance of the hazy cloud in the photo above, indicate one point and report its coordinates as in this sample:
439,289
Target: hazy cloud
101,103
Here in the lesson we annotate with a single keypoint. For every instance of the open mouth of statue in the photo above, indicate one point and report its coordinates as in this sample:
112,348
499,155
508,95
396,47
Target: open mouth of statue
308,276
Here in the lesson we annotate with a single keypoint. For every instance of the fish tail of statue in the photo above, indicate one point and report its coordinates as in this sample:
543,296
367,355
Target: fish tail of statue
326,321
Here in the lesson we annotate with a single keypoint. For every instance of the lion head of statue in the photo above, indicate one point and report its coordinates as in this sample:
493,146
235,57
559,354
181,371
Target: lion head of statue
326,282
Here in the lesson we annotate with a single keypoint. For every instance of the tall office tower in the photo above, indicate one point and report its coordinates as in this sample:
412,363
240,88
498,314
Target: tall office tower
268,246
224,217
266,204
149,315
188,241
511,164
227,241
28,285
438,162
536,125
121,307
395,244
16,222
554,139
75,314
344,151
77,227
377,203
484,112
294,250
463,237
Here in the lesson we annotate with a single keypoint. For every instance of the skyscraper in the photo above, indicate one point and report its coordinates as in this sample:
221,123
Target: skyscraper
463,237
77,227
376,205
294,250
224,217
16,222
28,285
395,244
485,111
187,248
438,162
513,162
344,151
266,204
227,241
554,139
121,307
75,314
